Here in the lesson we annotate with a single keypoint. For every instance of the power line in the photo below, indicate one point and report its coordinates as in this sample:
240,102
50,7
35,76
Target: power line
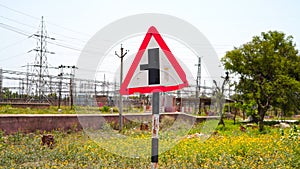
19,12
69,37
218,46
68,29
36,18
12,57
22,32
12,44
14,29
64,46
33,27
18,22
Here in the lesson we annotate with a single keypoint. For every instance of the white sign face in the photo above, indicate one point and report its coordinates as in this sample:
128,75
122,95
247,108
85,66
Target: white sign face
168,75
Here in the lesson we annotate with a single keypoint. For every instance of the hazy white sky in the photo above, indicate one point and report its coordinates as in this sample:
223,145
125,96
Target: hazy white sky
225,23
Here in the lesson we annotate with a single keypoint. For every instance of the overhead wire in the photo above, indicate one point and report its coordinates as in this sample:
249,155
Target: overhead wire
22,32
12,57
75,31
69,29
18,22
63,45
60,42
33,27
14,29
12,44
58,39
51,23
11,9
73,38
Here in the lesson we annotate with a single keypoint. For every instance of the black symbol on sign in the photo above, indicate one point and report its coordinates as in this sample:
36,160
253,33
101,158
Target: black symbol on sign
152,66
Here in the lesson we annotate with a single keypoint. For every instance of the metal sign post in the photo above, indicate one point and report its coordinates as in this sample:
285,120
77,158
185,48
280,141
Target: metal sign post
153,77
155,129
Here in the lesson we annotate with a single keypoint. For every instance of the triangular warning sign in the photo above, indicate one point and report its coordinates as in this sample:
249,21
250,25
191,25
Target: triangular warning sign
161,73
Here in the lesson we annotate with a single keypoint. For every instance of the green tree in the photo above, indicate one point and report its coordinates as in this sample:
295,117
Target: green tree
250,108
6,93
268,71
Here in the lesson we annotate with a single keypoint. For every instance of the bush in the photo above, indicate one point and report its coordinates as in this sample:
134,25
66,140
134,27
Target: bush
104,109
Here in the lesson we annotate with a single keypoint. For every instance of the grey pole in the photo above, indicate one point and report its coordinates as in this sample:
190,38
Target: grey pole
154,79
155,129
121,80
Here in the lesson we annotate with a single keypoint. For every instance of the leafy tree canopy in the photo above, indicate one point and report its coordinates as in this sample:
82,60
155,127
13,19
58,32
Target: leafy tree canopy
268,68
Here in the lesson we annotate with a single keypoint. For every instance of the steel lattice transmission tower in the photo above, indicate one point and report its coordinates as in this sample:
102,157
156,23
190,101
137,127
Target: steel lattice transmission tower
40,67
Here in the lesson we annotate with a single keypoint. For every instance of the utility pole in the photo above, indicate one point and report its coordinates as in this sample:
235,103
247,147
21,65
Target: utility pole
71,86
198,82
121,80
60,85
50,85
27,81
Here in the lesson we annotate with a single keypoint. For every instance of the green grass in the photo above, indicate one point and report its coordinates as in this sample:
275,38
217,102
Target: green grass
227,148
8,109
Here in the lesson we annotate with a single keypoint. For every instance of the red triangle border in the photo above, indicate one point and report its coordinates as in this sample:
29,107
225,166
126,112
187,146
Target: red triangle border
152,31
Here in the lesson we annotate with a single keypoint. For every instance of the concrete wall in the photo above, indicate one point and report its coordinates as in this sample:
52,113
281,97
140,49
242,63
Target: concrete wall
27,123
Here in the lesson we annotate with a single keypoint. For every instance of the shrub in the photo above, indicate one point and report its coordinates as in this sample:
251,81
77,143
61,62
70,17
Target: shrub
104,108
